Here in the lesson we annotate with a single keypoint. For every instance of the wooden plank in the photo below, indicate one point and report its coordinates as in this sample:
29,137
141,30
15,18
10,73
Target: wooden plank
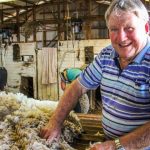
89,116
80,146
90,122
90,137
92,131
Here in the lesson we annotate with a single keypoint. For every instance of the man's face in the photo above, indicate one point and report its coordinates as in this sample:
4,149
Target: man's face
127,33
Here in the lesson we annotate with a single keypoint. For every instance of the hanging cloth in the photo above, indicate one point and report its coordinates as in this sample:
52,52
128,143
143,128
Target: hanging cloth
49,65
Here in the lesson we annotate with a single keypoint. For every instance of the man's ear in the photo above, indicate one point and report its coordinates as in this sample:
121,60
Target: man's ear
147,27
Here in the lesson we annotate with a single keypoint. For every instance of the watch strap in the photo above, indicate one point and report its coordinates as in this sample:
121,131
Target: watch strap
118,145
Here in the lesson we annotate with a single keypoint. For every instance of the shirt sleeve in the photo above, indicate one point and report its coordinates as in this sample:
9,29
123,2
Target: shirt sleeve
90,78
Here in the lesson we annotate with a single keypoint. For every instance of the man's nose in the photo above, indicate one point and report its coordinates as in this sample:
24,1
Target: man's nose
122,35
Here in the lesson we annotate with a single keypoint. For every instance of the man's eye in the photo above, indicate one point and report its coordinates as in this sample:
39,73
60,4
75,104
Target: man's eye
113,30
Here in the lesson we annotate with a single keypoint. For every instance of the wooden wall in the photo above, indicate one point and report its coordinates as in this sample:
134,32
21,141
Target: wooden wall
67,53
16,69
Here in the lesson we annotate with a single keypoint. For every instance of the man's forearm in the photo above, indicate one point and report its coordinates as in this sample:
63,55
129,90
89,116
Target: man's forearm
67,102
138,139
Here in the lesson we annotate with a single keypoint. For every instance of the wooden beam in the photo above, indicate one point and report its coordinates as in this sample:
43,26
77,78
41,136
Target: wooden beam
44,32
59,25
62,11
17,20
26,1
12,4
14,8
1,16
34,19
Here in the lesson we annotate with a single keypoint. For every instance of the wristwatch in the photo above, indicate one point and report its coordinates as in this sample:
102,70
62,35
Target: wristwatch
118,145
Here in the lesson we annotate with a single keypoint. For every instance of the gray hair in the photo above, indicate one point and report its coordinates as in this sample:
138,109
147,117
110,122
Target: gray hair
134,6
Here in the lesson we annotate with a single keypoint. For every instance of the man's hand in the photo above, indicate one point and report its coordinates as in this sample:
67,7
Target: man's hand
50,132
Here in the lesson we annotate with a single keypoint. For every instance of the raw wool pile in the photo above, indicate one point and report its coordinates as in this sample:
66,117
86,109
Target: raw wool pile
7,106
21,122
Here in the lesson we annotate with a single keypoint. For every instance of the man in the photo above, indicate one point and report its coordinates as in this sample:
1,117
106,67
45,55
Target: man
123,72
67,76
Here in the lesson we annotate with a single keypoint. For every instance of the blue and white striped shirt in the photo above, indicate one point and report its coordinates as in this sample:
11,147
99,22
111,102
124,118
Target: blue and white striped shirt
125,93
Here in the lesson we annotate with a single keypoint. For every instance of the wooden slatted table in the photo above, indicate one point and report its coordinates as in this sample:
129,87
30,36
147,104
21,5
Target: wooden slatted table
92,131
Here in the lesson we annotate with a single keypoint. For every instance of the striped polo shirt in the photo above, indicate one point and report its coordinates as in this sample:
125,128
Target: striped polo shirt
125,93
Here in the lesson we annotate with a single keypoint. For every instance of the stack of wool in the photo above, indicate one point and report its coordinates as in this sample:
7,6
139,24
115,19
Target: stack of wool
21,119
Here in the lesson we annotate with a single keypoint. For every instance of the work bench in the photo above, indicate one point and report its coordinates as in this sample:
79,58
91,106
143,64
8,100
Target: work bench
92,131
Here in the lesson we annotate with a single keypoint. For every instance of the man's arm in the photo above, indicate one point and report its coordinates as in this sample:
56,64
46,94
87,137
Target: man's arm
136,140
66,104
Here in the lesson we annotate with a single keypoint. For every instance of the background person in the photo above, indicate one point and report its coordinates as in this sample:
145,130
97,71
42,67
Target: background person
123,72
67,76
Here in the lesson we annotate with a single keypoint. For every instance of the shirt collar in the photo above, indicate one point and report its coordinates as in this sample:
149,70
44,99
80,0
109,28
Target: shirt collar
141,55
